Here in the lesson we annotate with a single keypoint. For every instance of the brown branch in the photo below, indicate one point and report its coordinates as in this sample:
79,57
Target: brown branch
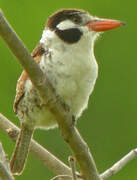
5,173
53,163
62,177
56,105
73,168
41,153
119,165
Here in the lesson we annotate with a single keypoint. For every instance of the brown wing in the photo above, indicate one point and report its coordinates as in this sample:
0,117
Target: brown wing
36,54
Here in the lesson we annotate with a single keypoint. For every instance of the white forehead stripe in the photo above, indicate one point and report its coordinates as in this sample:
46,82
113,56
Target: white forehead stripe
65,25
47,34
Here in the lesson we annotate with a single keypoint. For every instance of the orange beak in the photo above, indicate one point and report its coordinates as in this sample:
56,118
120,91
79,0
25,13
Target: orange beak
103,24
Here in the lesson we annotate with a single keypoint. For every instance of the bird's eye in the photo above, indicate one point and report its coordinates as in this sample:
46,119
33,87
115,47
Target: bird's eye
95,20
75,19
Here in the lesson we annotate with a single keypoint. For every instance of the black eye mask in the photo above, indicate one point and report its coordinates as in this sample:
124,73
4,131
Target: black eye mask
71,35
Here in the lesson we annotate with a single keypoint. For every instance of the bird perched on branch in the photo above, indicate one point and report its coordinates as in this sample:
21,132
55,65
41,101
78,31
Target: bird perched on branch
65,53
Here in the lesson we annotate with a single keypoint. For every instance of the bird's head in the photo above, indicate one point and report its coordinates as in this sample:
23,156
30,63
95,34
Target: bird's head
71,25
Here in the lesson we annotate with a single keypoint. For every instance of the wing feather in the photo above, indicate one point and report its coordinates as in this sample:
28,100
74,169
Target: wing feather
36,54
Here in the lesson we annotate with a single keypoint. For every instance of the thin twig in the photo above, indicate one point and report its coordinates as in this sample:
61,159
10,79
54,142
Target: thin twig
55,104
73,169
62,176
48,159
5,173
119,165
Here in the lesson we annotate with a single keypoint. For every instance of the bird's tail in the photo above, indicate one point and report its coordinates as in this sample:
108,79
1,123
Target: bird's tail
20,153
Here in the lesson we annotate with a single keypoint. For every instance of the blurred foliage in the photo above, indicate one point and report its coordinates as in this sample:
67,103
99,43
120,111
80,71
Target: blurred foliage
109,125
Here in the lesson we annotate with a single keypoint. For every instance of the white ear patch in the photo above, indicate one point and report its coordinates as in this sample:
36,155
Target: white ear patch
66,25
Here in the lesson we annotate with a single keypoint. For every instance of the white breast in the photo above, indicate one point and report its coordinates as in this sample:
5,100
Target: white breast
72,69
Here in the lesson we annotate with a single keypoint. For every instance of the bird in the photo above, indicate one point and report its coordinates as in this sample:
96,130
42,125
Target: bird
65,53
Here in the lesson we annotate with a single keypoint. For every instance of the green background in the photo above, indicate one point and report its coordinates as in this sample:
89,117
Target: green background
109,125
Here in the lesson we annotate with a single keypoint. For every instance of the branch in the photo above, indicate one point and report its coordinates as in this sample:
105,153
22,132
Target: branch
119,165
48,159
53,163
73,169
5,173
62,176
55,104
